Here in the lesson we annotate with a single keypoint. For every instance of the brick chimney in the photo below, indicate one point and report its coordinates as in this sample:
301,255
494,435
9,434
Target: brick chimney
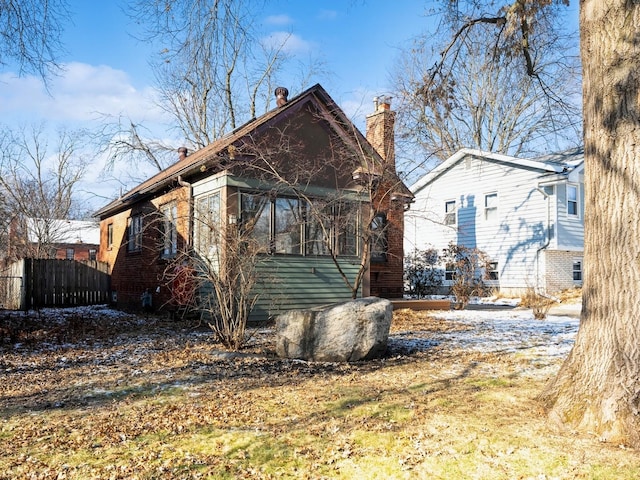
281,96
380,129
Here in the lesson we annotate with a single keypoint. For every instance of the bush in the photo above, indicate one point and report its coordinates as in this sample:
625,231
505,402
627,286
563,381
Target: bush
539,304
470,267
422,276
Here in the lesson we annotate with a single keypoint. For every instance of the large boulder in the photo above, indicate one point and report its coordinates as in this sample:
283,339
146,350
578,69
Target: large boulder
345,332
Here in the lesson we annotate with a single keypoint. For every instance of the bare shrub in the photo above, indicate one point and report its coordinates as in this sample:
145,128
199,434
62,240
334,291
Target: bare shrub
539,304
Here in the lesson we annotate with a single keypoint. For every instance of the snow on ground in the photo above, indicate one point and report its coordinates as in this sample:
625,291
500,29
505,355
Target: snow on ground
511,331
482,328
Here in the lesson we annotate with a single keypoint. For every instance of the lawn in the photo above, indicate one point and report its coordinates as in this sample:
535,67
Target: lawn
107,396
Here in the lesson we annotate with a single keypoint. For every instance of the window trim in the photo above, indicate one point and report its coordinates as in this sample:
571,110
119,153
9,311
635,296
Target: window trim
344,238
208,219
450,216
110,235
492,273
489,208
580,271
134,233
576,201
169,229
70,253
379,238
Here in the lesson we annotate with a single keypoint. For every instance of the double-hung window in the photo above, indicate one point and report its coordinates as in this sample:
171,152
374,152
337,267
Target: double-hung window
134,233
577,270
110,235
450,212
207,223
379,238
491,207
572,200
492,271
169,229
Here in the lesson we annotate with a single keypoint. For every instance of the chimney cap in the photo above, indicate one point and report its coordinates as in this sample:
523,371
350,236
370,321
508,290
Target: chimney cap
281,96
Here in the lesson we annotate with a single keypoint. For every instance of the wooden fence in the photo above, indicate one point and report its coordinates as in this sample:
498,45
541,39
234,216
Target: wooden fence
33,283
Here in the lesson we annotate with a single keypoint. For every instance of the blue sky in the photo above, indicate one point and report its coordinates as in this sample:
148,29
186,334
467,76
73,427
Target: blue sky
106,69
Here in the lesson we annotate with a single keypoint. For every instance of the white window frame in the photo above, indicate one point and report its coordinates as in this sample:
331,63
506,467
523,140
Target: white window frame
492,271
580,270
491,209
573,201
208,222
450,213
134,233
169,213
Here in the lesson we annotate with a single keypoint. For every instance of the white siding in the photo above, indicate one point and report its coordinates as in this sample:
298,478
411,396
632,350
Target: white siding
525,217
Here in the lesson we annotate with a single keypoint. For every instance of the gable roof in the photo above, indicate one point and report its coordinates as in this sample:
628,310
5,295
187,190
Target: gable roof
216,153
549,165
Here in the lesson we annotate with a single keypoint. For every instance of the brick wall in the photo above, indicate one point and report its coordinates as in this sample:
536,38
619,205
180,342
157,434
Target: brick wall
559,269
386,278
134,272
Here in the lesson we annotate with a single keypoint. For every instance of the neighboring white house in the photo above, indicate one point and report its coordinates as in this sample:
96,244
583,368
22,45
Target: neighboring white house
526,214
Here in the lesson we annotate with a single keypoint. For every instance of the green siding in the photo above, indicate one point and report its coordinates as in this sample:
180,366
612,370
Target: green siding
288,283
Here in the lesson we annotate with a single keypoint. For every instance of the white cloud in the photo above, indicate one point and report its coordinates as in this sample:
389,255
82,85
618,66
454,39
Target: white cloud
80,94
289,42
278,20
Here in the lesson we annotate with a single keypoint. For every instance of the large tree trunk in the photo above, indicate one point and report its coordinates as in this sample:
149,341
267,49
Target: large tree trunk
598,388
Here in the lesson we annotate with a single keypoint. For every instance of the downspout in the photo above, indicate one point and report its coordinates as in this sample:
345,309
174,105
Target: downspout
548,236
183,183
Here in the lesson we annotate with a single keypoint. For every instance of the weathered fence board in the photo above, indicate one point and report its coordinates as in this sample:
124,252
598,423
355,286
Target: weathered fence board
36,283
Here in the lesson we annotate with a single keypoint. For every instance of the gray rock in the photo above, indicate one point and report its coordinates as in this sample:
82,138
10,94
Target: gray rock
346,332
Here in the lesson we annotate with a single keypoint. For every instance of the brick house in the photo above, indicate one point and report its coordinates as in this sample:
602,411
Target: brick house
272,172
60,239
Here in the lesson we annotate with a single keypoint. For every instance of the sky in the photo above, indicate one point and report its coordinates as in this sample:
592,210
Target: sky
106,71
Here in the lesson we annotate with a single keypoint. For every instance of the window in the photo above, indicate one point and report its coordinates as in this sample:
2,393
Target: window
345,220
207,217
449,271
491,207
70,253
256,218
577,270
492,271
92,254
379,238
134,233
450,212
110,235
169,229
572,200
318,229
290,226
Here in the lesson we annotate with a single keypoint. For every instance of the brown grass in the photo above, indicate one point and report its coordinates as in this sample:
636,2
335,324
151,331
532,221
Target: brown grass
161,401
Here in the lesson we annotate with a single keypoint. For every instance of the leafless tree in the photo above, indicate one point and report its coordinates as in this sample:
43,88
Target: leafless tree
475,92
38,182
212,70
30,34
597,389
